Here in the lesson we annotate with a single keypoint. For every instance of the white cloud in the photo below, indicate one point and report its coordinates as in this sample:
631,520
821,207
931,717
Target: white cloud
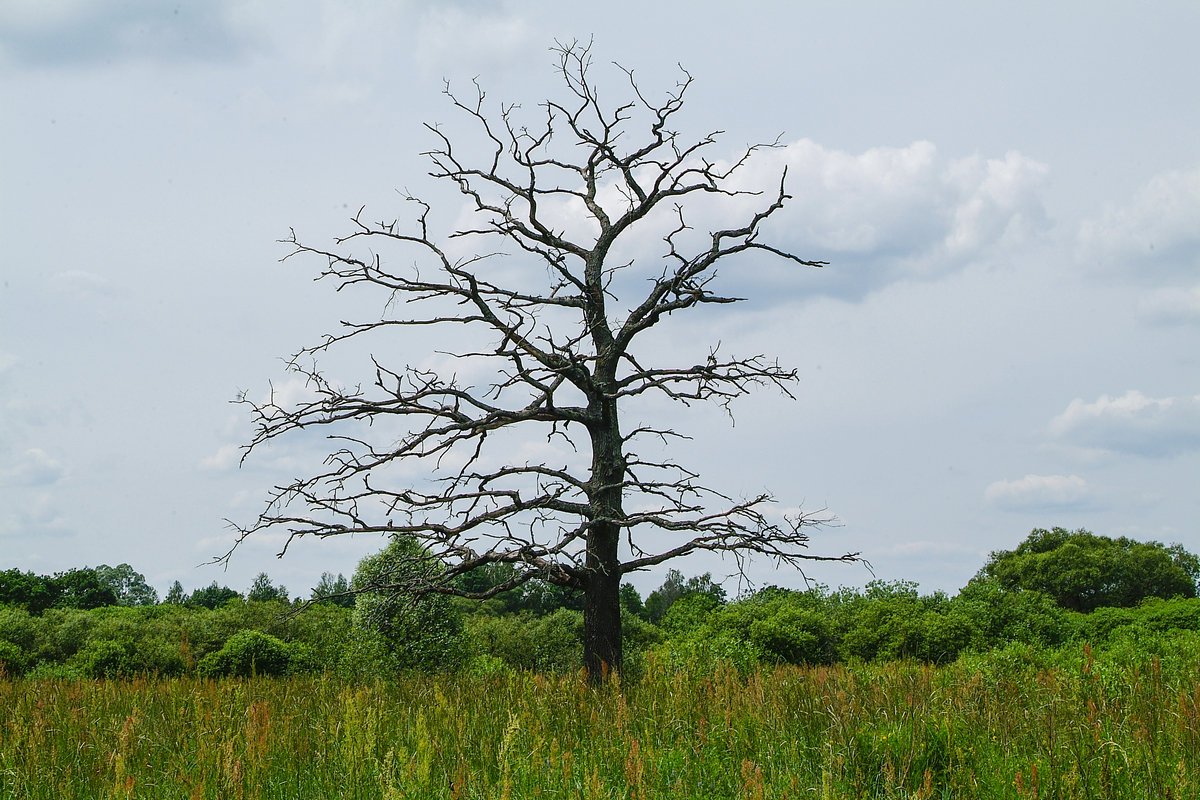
894,213
1034,492
1171,306
34,515
227,457
470,40
32,468
1155,236
75,32
1132,423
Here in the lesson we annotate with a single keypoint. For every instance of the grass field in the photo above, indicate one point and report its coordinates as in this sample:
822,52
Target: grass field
1011,724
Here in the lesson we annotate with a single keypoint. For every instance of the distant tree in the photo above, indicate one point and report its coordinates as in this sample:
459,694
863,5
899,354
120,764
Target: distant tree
82,589
130,586
25,589
659,602
417,631
212,596
631,601
564,339
1082,571
262,591
542,597
333,589
175,595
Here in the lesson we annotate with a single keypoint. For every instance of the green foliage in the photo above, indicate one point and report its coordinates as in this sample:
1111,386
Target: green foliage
1017,722
128,585
550,643
103,658
1021,615
212,596
532,628
262,591
333,590
543,598
675,586
688,613
82,588
33,592
175,595
249,653
1082,571
631,601
412,633
76,588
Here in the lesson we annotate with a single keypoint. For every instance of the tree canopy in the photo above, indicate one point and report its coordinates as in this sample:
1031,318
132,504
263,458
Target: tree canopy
1082,571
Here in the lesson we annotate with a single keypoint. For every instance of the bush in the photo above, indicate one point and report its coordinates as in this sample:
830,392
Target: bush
248,653
103,659
424,633
13,660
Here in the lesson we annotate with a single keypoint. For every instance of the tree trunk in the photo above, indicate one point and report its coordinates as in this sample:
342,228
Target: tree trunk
602,590
602,619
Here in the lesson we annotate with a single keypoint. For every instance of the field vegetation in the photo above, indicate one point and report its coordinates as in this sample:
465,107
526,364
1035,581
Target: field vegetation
1015,723
1008,689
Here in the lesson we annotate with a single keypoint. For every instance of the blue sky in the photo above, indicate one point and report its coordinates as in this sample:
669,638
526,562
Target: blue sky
1009,198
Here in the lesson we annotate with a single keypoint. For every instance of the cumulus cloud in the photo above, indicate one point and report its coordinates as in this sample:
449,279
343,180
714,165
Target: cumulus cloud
1132,423
1037,492
908,203
32,468
1155,237
886,214
80,32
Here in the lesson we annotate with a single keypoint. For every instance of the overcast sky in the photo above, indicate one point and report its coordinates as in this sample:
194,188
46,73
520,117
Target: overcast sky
1007,335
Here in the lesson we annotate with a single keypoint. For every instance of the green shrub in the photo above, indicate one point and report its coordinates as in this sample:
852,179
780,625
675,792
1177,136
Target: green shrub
13,659
103,658
248,653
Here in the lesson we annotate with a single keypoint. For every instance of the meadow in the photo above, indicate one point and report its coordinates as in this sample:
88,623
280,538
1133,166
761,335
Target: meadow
1017,722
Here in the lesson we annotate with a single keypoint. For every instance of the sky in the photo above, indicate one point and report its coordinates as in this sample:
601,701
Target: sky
1007,335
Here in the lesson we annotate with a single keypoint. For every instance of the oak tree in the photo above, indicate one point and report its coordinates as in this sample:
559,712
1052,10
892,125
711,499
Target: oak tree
552,284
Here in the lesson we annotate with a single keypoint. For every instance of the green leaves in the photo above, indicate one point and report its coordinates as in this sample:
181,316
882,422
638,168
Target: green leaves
1082,571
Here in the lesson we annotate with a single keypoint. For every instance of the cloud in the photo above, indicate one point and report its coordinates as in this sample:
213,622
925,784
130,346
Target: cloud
33,516
884,215
908,208
470,40
80,284
32,468
1173,306
1133,424
1038,492
227,457
81,32
1155,237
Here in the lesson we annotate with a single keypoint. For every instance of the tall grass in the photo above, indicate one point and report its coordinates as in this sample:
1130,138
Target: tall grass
1014,724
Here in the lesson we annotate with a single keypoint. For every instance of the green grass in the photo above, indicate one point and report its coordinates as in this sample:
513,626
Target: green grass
1013,724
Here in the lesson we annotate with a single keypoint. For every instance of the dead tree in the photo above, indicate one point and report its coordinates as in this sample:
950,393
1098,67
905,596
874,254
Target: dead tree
557,198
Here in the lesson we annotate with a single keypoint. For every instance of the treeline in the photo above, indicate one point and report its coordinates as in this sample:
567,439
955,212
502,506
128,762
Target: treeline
1056,588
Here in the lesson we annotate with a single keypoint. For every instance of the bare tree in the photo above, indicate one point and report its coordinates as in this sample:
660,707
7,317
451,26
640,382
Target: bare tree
558,341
